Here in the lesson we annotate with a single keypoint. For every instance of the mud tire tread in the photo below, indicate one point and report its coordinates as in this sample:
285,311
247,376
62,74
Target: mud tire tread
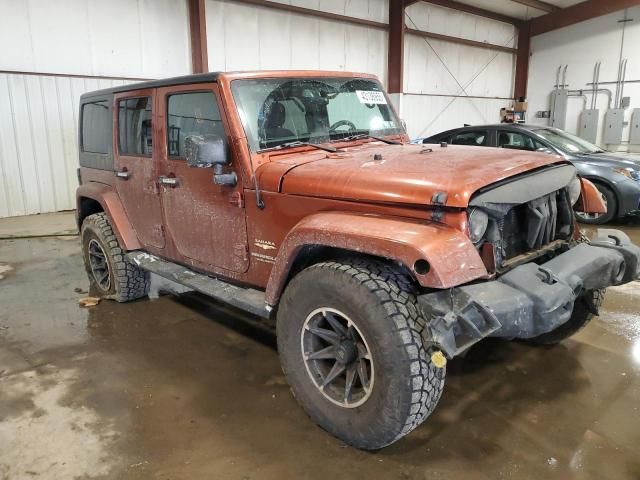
395,291
128,282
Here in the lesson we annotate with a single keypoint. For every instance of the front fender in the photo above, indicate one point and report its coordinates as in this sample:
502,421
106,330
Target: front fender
590,200
111,205
452,258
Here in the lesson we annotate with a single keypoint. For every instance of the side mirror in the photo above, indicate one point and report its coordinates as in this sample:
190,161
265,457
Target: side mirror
545,150
203,151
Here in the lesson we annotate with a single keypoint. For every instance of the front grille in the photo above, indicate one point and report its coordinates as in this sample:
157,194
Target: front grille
531,226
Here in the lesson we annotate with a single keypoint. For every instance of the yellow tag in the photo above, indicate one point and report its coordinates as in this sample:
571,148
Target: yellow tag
438,359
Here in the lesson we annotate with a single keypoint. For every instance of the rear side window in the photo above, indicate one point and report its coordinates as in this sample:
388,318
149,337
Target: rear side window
475,138
96,127
194,113
134,126
517,141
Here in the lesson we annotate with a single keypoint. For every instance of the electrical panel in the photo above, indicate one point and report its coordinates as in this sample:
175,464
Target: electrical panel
634,130
588,128
613,124
559,100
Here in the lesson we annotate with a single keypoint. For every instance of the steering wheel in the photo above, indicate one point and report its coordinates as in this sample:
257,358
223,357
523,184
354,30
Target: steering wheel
340,123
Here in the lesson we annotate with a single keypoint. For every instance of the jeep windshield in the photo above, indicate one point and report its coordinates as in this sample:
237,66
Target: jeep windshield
283,111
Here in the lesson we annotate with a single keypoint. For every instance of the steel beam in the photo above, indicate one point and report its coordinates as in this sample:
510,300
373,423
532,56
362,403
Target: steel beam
315,13
395,61
522,62
462,41
538,5
198,36
463,7
578,13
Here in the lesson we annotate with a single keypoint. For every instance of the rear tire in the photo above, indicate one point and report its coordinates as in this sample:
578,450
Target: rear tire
378,304
612,208
111,275
582,314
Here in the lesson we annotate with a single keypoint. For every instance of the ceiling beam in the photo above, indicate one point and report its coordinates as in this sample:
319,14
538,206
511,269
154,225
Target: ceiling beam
463,7
461,41
577,13
538,5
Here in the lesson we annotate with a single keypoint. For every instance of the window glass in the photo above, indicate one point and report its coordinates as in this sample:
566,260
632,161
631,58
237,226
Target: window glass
567,142
277,111
475,137
518,141
96,127
134,126
194,113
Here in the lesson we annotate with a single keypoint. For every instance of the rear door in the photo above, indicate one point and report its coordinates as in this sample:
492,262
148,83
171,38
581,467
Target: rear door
205,221
136,165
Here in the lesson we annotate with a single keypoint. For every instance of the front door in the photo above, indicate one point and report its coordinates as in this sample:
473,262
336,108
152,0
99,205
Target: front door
136,165
205,221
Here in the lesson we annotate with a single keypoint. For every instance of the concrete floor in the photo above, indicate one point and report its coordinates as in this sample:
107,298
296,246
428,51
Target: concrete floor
179,388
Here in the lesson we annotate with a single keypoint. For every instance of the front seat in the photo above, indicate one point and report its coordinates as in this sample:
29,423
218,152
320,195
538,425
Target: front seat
503,140
273,124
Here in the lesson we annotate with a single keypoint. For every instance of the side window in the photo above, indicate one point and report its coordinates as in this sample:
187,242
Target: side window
96,127
194,113
517,141
475,137
134,126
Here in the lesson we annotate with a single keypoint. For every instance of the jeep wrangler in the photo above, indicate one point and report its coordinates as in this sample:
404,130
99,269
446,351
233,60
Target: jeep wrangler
296,196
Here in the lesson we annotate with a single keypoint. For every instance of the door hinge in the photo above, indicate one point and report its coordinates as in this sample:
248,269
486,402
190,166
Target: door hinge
236,199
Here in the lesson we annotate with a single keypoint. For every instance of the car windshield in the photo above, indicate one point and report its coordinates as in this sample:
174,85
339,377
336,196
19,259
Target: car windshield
567,142
277,111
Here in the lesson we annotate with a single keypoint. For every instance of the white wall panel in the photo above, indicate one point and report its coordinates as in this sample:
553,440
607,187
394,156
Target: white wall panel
273,39
134,38
434,69
580,46
38,141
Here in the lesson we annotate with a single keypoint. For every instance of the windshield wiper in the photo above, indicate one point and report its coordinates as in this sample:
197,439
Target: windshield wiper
366,135
299,144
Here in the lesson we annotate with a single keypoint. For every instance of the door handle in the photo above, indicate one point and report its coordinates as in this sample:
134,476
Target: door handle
124,174
169,181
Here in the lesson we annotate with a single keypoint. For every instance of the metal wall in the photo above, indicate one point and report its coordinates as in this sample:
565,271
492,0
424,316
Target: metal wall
248,37
579,47
38,113
440,78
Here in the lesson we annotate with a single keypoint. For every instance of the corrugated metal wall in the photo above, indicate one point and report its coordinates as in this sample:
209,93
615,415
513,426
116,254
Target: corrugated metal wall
246,37
436,71
38,141
150,39
38,114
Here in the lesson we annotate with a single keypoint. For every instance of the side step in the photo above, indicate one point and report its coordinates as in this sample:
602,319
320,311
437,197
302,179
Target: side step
247,299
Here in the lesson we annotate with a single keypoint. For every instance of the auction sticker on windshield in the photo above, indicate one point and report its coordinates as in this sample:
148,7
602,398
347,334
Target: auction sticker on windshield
371,97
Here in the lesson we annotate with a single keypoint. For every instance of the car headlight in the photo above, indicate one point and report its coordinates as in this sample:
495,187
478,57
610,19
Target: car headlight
478,222
629,173
574,189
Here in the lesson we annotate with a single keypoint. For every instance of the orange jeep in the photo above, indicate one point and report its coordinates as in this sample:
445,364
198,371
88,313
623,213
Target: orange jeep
297,196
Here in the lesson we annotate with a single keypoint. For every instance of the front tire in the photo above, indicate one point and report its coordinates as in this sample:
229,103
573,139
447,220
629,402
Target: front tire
350,343
583,312
111,275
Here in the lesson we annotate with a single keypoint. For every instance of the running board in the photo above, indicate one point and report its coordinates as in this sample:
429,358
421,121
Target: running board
247,299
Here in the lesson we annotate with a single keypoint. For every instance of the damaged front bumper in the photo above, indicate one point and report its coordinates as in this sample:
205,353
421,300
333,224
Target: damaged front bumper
531,299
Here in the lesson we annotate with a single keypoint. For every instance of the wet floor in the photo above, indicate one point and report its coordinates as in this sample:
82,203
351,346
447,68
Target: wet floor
178,388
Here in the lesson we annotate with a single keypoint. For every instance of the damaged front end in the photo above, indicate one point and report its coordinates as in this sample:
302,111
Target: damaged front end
540,269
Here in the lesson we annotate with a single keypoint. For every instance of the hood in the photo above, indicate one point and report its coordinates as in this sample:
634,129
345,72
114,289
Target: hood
610,160
407,174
